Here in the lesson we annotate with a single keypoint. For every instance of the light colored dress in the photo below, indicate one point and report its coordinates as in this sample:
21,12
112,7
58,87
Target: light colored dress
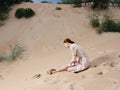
81,58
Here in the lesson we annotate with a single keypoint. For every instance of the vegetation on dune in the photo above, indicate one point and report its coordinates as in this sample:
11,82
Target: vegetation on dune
21,12
58,8
115,2
109,25
5,7
76,3
95,4
44,1
16,52
28,12
65,2
100,4
94,20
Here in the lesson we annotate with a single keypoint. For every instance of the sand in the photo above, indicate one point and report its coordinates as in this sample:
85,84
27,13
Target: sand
42,37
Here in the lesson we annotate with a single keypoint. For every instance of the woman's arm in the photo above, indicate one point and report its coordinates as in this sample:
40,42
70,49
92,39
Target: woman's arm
74,56
75,59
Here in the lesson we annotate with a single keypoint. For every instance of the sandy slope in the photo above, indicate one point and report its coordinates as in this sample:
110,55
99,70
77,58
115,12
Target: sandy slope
42,37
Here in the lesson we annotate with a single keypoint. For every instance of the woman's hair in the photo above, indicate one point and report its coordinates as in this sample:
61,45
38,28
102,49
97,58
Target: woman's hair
67,40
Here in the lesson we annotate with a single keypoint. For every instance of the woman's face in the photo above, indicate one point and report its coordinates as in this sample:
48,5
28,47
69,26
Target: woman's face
67,45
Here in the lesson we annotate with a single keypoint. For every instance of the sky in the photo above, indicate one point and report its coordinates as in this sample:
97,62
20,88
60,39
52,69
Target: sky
54,1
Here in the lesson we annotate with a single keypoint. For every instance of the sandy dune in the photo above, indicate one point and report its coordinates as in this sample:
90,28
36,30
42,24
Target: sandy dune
42,37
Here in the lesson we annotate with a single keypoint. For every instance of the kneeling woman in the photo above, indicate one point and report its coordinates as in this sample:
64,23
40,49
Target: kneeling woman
79,60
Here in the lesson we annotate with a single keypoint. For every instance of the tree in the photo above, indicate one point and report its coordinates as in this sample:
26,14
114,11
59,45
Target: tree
5,5
100,4
66,1
76,3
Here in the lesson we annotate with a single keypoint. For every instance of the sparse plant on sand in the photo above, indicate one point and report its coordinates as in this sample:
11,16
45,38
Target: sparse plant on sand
94,20
109,25
58,8
15,52
5,7
2,23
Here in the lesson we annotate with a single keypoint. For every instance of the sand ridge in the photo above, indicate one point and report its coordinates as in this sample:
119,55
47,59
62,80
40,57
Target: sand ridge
42,37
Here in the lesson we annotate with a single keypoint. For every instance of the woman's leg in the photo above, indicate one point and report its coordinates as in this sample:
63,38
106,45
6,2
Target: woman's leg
62,69
52,71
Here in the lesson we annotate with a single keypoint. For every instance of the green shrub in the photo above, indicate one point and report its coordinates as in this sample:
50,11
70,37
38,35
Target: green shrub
5,7
109,25
76,3
119,3
2,23
2,57
28,12
19,13
65,2
100,4
16,52
3,11
58,8
3,16
44,1
94,20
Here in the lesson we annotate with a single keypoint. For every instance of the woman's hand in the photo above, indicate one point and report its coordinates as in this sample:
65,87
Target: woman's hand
73,63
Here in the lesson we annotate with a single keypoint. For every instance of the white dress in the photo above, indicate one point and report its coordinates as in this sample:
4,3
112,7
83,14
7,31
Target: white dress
81,58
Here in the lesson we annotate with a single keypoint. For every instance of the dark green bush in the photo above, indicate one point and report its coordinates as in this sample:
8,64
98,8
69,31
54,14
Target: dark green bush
19,13
94,20
5,7
58,8
2,58
119,3
3,16
109,25
44,1
28,12
100,4
76,3
65,2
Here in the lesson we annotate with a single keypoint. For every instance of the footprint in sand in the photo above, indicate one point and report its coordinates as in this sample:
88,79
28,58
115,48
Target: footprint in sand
1,77
37,76
116,84
83,76
50,80
70,86
100,73
118,55
111,64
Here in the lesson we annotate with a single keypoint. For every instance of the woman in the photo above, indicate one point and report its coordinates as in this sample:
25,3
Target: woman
79,60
